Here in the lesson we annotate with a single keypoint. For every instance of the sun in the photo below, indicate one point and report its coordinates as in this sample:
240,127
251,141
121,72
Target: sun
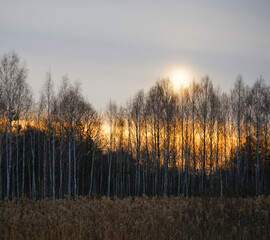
180,77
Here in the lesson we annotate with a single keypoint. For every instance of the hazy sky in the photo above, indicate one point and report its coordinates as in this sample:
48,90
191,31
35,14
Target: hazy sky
115,48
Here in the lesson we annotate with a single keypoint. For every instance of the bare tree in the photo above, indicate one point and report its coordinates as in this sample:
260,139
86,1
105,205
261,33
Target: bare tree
137,118
259,95
169,106
238,103
154,104
205,89
47,99
13,76
194,105
111,114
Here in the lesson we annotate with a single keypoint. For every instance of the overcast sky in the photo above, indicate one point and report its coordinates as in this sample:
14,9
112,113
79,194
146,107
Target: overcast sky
115,48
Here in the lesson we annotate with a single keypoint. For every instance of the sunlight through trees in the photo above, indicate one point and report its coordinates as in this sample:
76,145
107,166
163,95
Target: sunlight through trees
195,141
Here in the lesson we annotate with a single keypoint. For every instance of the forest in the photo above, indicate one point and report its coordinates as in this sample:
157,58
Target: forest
193,141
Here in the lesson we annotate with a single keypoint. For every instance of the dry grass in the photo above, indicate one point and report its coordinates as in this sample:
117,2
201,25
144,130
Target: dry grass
141,218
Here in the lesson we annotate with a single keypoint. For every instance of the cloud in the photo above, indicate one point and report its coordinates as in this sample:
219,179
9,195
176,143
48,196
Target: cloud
121,44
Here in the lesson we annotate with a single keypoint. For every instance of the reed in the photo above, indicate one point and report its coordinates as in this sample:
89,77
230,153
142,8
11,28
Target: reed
139,218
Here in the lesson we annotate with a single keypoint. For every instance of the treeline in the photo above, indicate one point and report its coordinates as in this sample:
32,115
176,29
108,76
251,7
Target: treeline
192,141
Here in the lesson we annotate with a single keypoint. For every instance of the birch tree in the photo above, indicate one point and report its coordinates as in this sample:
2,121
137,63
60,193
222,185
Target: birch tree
137,118
13,74
238,104
259,95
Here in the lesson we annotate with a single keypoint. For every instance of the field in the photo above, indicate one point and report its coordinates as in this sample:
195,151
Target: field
139,218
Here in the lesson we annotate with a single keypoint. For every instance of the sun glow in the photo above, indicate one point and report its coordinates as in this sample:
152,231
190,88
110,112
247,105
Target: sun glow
180,77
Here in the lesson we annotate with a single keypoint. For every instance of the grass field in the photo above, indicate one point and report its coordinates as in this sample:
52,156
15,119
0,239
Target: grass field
139,218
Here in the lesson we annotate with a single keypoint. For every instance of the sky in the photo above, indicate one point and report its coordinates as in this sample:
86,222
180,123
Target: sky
115,48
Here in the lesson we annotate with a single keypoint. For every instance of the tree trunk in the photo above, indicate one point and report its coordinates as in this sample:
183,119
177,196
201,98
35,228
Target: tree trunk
23,162
69,160
92,170
53,165
74,161
33,144
258,159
